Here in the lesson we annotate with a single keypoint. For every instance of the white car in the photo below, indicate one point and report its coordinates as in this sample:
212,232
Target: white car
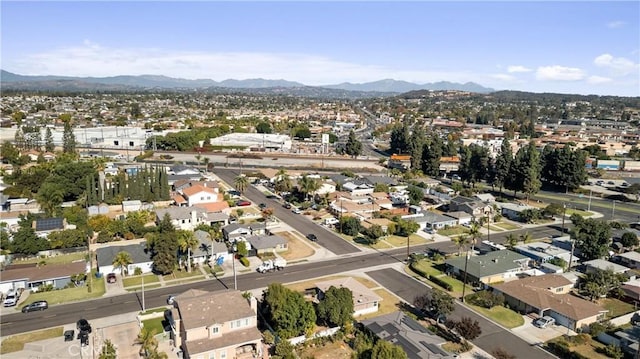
296,210
544,322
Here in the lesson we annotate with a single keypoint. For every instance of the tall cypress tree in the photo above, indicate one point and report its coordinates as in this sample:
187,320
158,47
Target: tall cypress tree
48,141
68,138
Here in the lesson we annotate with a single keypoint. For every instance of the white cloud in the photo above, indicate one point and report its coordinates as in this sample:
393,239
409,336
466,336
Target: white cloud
616,24
91,59
559,73
598,80
504,77
518,68
619,66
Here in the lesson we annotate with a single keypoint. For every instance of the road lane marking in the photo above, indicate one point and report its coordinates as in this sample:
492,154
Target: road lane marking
49,316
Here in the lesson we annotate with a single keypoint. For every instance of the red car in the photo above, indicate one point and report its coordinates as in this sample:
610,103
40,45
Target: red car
111,278
243,203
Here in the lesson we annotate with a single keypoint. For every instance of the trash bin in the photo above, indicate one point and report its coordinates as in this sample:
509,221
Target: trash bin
98,275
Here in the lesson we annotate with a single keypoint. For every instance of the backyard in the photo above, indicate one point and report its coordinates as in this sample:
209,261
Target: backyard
616,307
59,259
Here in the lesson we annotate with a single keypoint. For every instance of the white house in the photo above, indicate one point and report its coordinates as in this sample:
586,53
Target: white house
186,218
140,257
197,194
359,190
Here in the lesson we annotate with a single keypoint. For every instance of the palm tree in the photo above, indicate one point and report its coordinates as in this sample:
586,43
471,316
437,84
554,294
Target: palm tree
122,260
512,240
147,340
241,182
461,242
50,197
206,161
526,237
283,181
187,241
308,185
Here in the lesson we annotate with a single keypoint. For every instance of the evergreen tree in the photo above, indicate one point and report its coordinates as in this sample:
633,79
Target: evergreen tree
431,154
525,171
399,141
353,147
68,138
503,164
49,146
416,144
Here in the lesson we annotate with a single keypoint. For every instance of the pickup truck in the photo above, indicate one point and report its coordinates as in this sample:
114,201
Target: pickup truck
272,265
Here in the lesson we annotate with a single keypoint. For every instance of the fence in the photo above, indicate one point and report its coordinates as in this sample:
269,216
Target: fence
325,333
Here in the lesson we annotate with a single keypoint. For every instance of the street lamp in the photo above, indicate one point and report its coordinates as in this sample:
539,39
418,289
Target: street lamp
464,281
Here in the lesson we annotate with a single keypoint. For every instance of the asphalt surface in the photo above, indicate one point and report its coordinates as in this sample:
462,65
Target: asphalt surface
493,336
108,306
326,238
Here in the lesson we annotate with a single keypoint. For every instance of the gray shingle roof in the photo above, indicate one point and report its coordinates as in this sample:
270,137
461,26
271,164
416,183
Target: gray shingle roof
138,253
266,242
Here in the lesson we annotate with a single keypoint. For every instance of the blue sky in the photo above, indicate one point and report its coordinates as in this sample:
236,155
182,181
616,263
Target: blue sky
566,47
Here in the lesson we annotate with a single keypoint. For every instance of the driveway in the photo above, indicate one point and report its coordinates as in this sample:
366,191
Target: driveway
534,335
493,336
123,337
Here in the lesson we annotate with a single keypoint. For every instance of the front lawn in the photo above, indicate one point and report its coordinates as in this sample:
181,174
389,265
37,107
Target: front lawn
425,267
69,294
506,226
616,307
15,343
136,281
60,259
154,325
453,231
571,211
398,241
505,316
182,274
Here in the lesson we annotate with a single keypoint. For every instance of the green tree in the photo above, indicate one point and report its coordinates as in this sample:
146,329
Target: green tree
512,240
241,248
68,238
353,147
385,350
164,247
598,283
629,239
417,142
302,132
416,194
25,241
48,141
285,350
241,182
122,261
592,236
146,339
108,350
525,171
287,311
263,127
399,141
308,186
350,226
435,302
336,308
50,197
10,153
432,151
187,242
68,138
503,164
374,233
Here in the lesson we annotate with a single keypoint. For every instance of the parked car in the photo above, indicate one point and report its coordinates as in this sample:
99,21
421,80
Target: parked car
312,237
171,300
12,298
296,210
243,203
287,205
69,335
262,206
544,322
35,306
111,278
83,326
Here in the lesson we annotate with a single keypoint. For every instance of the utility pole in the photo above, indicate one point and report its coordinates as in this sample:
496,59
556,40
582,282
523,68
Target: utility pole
564,211
143,306
613,210
590,193
235,278
464,281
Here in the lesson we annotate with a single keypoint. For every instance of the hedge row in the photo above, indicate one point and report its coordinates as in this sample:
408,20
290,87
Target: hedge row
244,261
441,283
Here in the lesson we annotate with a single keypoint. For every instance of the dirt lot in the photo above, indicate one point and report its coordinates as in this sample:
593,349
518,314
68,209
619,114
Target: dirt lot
297,249
335,350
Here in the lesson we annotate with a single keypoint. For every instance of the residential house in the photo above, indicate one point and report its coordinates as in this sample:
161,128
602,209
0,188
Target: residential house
235,231
630,259
197,194
209,249
382,222
492,267
221,325
485,197
33,276
548,295
462,218
140,257
365,301
358,188
182,170
474,207
601,264
267,243
430,219
186,218
449,164
416,340
513,211
542,252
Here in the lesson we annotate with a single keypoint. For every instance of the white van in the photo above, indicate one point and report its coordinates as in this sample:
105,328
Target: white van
331,221
11,299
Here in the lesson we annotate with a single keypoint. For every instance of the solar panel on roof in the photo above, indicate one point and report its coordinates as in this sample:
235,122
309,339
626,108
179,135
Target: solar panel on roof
414,325
48,224
407,345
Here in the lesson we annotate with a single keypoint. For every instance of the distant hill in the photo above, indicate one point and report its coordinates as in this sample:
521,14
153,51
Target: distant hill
389,85
163,82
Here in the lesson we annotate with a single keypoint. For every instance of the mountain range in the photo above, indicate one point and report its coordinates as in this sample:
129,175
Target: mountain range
385,87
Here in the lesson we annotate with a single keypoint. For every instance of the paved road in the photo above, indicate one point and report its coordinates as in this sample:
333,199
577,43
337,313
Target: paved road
492,337
114,305
326,238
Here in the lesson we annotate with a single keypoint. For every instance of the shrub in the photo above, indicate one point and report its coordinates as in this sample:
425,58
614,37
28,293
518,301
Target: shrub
244,261
441,283
486,299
